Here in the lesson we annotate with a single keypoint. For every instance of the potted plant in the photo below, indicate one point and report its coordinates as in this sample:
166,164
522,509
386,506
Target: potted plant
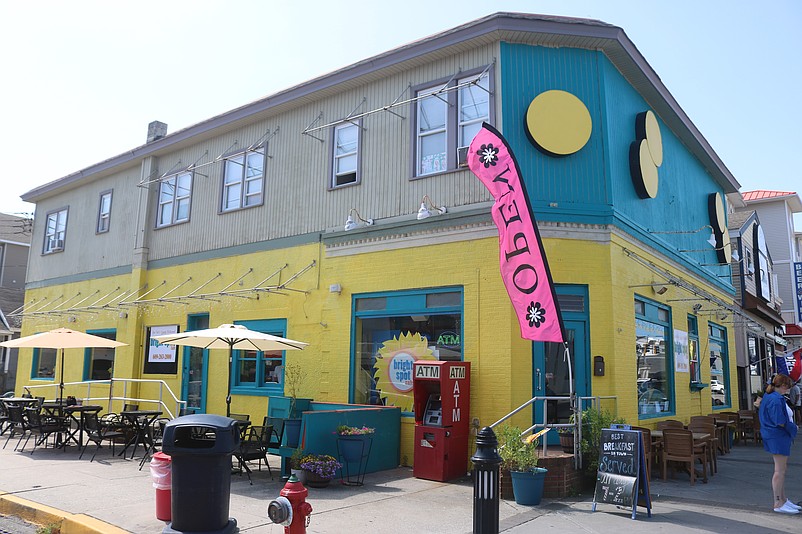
294,375
319,469
566,435
593,421
354,442
519,456
295,465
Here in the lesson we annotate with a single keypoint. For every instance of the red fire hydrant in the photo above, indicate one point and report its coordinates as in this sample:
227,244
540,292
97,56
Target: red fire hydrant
291,508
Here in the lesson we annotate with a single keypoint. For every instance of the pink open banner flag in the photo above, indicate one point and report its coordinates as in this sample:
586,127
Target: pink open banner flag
522,259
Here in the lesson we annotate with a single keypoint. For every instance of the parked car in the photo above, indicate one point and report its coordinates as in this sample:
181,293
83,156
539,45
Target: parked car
716,386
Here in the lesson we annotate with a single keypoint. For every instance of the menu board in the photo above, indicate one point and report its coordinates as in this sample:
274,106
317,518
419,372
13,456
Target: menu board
621,477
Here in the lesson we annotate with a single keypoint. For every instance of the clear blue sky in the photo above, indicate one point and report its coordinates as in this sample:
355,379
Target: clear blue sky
82,79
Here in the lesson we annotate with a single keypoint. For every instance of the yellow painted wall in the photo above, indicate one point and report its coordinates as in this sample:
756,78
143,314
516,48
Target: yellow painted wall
501,360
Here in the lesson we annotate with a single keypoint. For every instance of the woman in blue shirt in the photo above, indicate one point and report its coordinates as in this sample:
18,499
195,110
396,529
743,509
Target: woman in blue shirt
778,431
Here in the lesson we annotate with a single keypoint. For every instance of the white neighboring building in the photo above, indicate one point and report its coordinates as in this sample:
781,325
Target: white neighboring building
15,242
776,210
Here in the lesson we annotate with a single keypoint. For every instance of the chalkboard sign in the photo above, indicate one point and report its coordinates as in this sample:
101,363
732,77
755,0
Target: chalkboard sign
621,478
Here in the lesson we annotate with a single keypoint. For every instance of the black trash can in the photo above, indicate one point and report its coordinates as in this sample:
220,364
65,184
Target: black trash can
200,447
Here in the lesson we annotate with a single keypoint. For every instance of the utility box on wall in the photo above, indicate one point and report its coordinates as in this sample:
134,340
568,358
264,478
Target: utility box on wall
441,391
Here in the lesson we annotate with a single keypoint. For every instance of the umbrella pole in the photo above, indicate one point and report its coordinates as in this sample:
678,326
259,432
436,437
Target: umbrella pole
228,383
61,380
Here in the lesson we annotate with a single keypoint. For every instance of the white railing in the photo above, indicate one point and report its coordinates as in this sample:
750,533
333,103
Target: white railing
165,396
577,404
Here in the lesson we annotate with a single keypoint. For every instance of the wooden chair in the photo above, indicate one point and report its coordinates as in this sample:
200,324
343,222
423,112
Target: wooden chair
678,446
648,450
712,442
97,434
748,425
669,423
733,426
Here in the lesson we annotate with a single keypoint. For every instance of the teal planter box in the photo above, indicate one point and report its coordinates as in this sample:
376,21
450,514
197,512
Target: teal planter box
527,486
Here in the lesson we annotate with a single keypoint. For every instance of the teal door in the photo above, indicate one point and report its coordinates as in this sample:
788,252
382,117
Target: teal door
195,368
550,370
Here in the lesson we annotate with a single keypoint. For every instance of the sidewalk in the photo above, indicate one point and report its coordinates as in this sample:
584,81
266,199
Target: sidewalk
114,491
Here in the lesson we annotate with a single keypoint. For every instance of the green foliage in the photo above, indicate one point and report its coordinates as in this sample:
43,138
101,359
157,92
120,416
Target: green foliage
517,454
593,421
52,528
295,459
294,376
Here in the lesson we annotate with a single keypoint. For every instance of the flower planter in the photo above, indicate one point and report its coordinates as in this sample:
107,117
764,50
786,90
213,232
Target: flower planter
313,480
353,448
567,442
528,485
292,432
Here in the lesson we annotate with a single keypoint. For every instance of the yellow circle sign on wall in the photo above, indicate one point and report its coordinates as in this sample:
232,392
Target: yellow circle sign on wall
558,123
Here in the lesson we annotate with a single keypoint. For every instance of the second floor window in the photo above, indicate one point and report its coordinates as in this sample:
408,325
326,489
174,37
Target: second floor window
55,230
447,119
104,213
345,165
174,196
243,179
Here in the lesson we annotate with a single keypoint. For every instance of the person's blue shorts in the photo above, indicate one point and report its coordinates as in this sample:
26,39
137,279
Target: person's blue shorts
778,446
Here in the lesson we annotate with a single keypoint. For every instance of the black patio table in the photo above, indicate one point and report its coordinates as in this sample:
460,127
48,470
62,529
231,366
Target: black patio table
79,421
140,421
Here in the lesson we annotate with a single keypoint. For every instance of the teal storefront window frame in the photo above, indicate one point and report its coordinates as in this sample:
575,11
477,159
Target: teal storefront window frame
260,388
35,366
717,333
394,303
651,313
88,351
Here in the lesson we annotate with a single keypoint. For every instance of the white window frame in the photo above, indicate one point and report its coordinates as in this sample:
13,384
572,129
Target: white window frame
55,231
338,154
173,199
244,180
450,92
104,213
484,84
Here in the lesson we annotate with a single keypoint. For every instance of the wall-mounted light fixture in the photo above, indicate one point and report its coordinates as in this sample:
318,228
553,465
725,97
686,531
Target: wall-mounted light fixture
696,308
350,223
660,289
424,212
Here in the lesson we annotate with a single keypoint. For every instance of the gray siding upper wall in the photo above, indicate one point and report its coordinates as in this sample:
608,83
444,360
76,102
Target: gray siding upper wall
297,199
84,250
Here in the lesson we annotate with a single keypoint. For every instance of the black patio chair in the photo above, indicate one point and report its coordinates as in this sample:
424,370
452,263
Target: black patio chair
43,429
254,447
4,424
276,424
97,434
16,424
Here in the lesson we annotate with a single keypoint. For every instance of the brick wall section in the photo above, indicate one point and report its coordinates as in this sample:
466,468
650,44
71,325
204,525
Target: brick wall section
562,479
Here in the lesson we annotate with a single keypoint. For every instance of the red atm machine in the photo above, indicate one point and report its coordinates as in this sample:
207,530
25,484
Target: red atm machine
442,393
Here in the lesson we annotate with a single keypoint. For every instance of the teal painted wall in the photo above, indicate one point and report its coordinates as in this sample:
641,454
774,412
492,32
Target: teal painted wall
594,185
576,182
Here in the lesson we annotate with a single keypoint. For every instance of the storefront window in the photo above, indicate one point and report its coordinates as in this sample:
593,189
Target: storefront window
44,363
257,372
393,331
719,383
99,362
654,362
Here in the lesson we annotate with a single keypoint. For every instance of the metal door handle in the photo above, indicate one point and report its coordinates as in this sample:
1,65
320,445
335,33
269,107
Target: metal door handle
538,381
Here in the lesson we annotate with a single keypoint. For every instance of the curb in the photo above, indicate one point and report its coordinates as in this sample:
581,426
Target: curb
41,514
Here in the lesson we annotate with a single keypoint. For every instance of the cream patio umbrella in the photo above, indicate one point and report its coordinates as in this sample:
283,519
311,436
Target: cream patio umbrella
62,338
230,336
